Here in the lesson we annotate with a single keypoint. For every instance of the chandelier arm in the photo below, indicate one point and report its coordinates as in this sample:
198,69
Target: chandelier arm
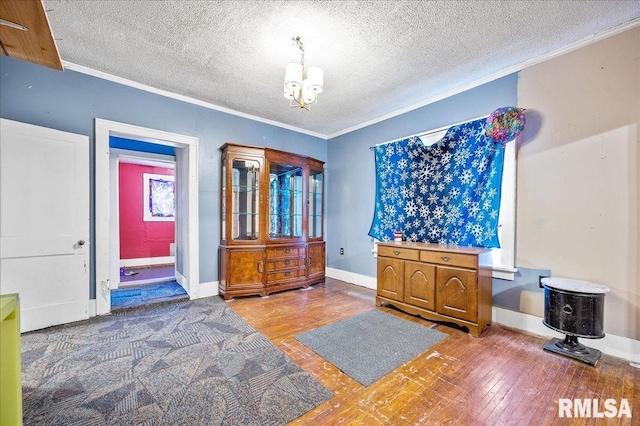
299,102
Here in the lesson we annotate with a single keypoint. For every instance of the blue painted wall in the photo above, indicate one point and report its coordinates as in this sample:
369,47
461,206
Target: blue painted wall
70,101
351,167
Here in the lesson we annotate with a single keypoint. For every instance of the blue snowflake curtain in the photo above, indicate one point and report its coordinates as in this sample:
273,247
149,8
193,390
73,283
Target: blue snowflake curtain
447,193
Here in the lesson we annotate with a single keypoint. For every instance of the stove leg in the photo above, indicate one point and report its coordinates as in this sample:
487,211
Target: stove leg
571,344
570,347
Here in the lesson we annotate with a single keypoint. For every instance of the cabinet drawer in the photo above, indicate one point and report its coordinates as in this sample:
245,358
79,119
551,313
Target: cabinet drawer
275,265
397,252
450,259
273,253
285,275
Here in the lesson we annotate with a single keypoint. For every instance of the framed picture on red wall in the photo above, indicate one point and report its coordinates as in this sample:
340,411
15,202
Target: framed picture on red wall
159,197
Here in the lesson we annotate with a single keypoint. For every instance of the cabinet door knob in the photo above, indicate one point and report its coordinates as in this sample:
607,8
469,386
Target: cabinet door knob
287,250
287,273
287,262
396,252
260,266
445,258
309,261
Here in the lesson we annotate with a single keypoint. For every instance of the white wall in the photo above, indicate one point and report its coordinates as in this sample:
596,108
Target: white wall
578,175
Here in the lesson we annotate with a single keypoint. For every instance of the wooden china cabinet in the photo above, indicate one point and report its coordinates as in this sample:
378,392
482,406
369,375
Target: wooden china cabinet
271,221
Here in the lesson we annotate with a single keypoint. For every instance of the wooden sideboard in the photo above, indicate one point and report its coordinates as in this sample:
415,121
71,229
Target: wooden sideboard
437,282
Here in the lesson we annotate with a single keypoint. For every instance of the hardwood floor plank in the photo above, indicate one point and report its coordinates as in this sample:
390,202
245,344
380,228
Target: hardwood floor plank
538,384
549,399
501,378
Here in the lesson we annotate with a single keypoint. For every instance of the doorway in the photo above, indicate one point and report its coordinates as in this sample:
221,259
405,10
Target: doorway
186,240
143,223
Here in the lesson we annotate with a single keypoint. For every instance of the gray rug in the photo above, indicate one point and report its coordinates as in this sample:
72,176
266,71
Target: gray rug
370,345
181,363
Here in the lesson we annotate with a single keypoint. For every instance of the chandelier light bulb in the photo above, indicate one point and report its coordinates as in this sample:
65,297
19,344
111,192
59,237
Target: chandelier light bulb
288,94
315,77
308,95
293,76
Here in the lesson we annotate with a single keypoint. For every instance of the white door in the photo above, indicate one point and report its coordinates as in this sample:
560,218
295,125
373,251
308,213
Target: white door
44,223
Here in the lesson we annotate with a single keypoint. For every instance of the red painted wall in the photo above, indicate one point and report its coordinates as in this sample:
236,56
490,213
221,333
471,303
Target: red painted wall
140,239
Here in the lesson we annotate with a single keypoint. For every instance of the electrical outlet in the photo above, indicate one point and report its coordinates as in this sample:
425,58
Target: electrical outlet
341,250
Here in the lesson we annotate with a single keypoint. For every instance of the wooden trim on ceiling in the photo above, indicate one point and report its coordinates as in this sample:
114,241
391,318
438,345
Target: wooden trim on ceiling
35,45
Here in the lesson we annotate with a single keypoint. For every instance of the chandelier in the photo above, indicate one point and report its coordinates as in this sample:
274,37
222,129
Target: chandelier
301,91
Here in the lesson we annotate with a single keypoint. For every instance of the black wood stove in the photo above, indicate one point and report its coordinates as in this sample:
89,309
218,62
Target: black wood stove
576,309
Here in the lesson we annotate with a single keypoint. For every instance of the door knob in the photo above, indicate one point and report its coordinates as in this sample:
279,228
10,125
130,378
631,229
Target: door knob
81,243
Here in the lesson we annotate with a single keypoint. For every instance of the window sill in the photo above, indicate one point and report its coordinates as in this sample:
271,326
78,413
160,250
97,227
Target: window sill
504,272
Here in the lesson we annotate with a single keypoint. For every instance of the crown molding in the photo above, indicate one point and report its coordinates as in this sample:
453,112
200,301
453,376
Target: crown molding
126,82
494,76
510,70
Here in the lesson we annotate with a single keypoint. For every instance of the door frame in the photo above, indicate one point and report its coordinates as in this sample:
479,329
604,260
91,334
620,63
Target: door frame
186,165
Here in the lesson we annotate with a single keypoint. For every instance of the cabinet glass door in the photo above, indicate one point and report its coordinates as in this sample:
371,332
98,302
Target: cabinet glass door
245,199
316,184
285,201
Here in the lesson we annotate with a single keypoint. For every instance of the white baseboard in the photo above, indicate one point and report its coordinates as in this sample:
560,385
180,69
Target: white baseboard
180,279
208,289
620,347
353,278
147,261
204,289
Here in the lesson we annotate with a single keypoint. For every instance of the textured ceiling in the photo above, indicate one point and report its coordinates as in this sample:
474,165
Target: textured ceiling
378,57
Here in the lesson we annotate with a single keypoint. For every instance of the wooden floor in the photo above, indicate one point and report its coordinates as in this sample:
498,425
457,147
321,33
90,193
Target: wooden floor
501,378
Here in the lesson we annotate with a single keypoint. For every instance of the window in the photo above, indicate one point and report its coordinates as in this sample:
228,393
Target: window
504,257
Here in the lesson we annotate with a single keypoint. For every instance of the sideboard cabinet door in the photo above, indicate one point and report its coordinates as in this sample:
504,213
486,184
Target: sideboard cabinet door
390,278
457,293
419,284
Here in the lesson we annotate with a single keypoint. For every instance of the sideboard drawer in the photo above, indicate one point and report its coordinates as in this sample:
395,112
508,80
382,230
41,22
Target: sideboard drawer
450,259
275,265
284,275
278,252
400,253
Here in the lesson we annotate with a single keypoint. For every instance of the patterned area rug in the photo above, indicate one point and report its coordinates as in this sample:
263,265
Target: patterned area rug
183,363
370,345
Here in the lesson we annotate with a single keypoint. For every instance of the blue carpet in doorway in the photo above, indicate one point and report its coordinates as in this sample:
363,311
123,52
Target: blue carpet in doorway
132,297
